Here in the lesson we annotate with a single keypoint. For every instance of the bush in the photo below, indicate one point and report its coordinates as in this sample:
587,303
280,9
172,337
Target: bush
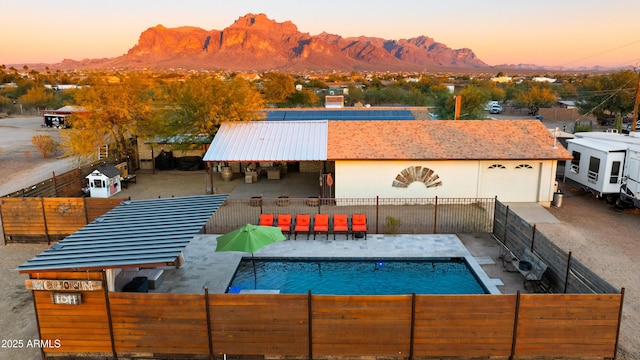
44,144
391,225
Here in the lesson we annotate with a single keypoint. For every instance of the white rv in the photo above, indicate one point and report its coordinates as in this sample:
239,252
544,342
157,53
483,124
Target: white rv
606,164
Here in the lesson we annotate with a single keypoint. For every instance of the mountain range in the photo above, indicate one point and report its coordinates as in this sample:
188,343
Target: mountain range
256,43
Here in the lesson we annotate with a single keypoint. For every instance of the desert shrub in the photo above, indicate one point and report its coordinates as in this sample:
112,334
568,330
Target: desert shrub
391,225
44,144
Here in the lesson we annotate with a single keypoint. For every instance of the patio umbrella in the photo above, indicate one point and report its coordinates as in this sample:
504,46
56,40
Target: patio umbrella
249,238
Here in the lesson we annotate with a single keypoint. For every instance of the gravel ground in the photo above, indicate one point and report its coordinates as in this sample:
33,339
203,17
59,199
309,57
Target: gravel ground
603,239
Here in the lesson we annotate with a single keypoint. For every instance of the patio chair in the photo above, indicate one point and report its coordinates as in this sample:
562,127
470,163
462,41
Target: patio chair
284,223
358,225
302,225
340,225
266,220
320,224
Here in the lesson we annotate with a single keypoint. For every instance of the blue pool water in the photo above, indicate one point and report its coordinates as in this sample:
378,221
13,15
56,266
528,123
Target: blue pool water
356,276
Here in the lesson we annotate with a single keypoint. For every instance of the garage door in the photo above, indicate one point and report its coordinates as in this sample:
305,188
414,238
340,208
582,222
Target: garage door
516,182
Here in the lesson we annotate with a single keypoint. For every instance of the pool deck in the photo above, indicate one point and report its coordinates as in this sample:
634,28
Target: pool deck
205,268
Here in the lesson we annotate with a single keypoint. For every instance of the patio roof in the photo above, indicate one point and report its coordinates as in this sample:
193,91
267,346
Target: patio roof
134,234
270,141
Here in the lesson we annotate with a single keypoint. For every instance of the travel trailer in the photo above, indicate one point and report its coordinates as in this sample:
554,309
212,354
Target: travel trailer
607,165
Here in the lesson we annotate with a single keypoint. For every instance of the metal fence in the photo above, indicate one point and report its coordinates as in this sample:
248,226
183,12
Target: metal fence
384,215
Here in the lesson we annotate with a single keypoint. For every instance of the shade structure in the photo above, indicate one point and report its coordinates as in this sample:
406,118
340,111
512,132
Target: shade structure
249,238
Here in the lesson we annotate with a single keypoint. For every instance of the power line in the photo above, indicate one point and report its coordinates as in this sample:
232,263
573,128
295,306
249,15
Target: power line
602,53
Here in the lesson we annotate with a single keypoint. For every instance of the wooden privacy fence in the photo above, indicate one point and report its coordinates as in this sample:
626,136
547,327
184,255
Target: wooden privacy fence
37,219
410,215
152,325
564,272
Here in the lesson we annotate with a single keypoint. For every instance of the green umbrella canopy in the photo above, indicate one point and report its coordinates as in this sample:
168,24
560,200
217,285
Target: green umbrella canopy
249,238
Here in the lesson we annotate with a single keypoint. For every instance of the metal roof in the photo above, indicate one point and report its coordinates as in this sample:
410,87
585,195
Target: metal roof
135,233
270,141
339,114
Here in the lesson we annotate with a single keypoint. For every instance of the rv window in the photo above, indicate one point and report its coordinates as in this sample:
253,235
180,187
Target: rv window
575,162
615,172
594,166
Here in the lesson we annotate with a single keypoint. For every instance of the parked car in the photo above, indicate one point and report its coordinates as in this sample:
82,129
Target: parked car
626,128
495,109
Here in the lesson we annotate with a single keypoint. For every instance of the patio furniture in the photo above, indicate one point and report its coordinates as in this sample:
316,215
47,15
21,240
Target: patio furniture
266,220
532,268
340,225
302,225
284,223
359,225
320,224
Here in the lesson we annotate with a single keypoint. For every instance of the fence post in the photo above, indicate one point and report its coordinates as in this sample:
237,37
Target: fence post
377,212
310,322
615,348
4,236
413,325
208,312
515,326
109,318
55,183
435,217
506,221
533,236
566,276
44,219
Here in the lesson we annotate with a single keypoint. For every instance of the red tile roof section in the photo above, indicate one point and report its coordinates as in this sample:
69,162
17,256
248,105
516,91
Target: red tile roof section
443,140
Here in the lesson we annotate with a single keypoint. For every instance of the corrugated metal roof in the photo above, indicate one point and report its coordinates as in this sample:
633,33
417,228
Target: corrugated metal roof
135,233
270,141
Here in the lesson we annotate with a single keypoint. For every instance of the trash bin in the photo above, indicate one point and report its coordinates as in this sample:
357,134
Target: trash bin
557,199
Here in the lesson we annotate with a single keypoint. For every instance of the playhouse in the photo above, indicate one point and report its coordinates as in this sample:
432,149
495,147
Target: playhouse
104,181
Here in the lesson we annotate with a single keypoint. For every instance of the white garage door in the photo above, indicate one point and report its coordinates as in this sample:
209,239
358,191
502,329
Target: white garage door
516,182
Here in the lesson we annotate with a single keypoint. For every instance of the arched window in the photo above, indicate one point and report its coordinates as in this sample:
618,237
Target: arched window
524,166
417,173
497,166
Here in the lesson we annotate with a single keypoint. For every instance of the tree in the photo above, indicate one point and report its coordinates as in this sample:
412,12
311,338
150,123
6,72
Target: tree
303,98
114,113
608,95
44,144
200,104
38,97
472,107
537,96
277,87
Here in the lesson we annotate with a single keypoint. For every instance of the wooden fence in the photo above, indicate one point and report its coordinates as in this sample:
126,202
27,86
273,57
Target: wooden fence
41,219
154,325
411,216
564,273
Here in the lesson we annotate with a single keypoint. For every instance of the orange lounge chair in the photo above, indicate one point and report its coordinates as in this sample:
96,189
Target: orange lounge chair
284,223
266,220
302,225
320,224
359,225
340,225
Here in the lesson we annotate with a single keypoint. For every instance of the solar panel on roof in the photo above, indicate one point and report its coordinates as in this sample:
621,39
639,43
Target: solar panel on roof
339,114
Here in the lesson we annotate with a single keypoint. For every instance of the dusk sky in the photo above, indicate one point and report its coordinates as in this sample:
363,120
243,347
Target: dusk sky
543,32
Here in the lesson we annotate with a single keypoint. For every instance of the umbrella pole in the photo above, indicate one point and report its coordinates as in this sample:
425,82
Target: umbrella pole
255,275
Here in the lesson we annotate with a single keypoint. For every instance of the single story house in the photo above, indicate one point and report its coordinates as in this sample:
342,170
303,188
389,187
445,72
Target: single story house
514,160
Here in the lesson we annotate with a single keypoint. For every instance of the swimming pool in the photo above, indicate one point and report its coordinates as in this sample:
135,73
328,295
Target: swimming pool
357,276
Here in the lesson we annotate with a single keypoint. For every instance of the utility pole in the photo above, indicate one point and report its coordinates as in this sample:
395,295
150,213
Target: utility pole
635,107
458,100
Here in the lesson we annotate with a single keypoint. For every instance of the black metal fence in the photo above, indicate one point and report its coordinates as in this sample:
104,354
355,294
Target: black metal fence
384,215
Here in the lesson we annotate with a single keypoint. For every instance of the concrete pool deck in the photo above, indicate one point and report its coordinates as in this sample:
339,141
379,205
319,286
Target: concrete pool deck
203,267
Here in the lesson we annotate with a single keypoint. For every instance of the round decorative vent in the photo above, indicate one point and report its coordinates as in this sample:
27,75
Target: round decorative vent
417,173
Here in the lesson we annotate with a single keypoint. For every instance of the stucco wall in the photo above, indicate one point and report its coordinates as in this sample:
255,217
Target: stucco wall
459,179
